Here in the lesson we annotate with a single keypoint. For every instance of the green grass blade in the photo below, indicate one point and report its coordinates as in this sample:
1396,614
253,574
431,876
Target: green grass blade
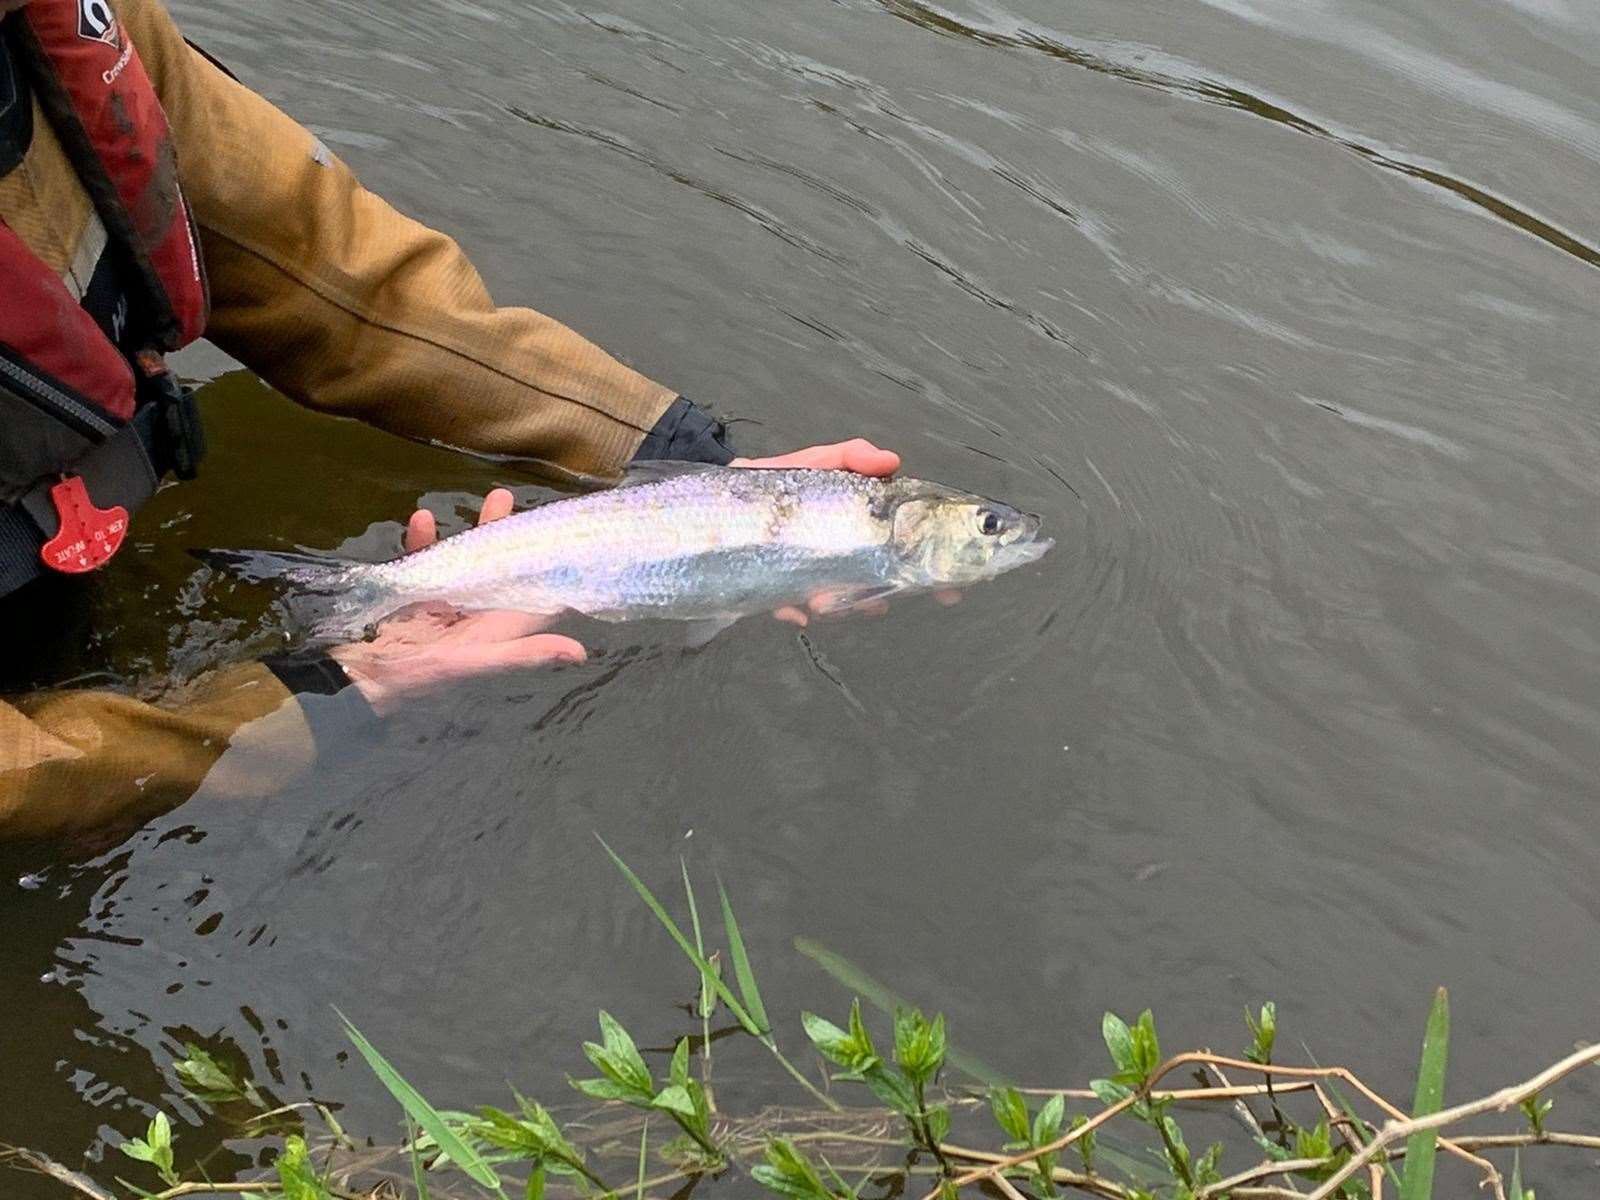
644,1146
419,1178
706,991
424,1114
741,962
1417,1182
1516,1192
706,969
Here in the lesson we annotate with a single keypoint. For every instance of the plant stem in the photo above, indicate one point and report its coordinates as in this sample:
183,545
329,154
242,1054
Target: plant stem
579,1166
700,1139
826,1100
923,1132
1179,1163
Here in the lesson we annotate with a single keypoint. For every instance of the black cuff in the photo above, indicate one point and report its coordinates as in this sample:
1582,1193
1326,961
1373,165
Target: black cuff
308,674
686,433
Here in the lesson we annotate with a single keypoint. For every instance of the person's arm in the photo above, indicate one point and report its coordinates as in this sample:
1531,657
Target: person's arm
73,760
347,306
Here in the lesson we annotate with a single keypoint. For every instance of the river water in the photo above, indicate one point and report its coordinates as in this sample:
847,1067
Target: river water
1280,312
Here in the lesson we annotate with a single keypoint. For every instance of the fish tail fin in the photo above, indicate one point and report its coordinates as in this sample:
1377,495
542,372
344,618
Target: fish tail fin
309,572
323,595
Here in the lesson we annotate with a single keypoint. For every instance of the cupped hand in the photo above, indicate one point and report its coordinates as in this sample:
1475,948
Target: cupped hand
425,646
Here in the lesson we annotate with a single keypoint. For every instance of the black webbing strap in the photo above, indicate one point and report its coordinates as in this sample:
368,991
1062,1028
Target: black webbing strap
119,471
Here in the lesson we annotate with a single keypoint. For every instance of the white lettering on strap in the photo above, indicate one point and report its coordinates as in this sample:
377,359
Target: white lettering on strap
110,76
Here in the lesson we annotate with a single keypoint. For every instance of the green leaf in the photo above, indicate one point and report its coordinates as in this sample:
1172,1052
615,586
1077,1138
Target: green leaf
1047,1124
296,1176
1109,1092
535,1116
1536,1110
675,1099
1313,1143
853,1051
204,1077
1207,1168
1119,1042
424,1114
742,972
155,1147
708,972
1146,1046
789,1173
618,1058
1263,1033
893,1088
1085,1144
918,1044
1417,1181
938,1123
606,1089
1010,1112
1516,1192
678,1073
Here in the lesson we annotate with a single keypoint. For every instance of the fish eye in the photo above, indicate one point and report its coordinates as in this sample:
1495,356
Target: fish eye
989,523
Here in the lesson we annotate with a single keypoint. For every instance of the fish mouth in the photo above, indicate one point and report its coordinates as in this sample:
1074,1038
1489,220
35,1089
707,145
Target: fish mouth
1021,553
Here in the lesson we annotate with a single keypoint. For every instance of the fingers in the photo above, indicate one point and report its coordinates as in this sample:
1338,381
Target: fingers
497,625
496,504
422,530
538,650
858,455
793,615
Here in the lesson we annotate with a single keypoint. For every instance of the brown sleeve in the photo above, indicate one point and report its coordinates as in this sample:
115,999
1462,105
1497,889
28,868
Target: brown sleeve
72,761
347,306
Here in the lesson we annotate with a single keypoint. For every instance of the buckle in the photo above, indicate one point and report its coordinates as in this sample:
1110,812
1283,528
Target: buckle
88,536
181,437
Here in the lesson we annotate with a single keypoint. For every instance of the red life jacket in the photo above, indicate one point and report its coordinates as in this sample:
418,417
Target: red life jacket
71,404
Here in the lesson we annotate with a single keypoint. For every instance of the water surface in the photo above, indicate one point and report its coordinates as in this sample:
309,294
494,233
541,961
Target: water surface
1282,315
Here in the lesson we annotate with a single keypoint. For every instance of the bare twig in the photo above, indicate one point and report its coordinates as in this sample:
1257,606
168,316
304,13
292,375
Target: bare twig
1232,1091
1093,1184
1494,1102
1196,1056
1264,1170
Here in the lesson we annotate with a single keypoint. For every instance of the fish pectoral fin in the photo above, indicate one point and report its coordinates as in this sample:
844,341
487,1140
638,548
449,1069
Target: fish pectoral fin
703,630
836,602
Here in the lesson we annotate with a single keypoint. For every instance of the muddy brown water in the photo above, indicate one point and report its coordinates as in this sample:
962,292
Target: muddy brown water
1281,313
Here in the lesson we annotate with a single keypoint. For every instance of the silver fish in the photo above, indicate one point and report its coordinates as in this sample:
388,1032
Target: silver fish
682,542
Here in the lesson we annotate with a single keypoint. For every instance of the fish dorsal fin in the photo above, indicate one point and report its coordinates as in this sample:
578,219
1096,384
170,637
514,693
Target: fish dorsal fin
656,469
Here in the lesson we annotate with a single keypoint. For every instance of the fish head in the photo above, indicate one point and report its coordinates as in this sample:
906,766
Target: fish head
943,537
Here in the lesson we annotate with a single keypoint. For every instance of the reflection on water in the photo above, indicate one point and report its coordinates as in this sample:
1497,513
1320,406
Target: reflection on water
1301,707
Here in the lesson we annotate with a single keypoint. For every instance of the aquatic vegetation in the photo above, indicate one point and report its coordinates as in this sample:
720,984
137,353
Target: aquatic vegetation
1308,1142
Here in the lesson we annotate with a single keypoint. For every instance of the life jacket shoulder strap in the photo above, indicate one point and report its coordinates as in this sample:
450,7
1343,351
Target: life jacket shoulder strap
93,87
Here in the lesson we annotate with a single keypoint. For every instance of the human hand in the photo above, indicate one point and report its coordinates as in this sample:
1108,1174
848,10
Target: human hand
425,646
858,455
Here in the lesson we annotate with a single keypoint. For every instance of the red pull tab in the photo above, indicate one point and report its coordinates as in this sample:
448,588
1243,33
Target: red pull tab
89,536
